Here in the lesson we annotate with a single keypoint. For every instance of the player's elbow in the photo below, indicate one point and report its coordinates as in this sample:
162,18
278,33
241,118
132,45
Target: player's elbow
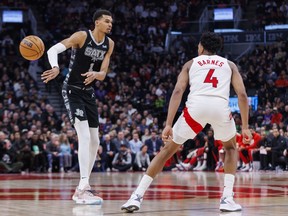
242,96
178,92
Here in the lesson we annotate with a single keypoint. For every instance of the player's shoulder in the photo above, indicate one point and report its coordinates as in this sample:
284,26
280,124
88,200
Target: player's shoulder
188,64
79,35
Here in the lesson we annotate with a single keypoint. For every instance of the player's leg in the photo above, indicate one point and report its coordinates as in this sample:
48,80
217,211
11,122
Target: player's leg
225,133
73,99
181,132
156,166
92,116
82,129
224,128
230,166
94,145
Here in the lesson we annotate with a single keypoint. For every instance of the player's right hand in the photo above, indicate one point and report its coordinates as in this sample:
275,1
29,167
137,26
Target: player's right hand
50,74
167,133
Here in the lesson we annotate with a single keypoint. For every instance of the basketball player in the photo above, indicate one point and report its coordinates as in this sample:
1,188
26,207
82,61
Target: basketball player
90,57
209,77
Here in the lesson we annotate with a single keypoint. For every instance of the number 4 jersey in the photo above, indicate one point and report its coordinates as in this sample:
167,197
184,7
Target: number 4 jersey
209,75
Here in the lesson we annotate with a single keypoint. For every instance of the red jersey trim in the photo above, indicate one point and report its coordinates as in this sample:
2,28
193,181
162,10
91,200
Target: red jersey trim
194,125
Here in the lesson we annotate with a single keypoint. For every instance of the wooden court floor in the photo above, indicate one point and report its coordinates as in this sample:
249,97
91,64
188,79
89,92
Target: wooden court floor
172,193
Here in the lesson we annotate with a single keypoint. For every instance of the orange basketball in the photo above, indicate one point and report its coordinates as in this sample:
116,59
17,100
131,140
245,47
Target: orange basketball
31,47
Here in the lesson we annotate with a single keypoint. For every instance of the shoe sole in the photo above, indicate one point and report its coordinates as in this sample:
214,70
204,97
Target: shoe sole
89,202
130,209
227,210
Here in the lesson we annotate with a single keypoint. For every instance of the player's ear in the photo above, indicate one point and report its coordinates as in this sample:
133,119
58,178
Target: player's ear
200,49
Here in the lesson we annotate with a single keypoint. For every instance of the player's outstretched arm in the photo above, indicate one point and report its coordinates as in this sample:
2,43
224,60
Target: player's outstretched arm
76,40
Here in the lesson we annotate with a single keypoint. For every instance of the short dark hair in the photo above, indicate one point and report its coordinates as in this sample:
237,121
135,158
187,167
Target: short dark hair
211,42
99,13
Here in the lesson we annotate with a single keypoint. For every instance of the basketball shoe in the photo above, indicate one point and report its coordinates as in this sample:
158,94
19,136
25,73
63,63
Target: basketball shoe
76,193
86,196
133,204
227,204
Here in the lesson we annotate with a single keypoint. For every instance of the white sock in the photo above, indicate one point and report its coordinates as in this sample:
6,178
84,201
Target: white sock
94,144
143,185
82,129
84,181
228,185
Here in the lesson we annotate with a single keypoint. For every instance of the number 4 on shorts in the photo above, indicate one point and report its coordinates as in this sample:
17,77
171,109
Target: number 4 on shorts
210,79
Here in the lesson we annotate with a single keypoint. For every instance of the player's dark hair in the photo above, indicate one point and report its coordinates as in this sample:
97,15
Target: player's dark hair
99,13
211,42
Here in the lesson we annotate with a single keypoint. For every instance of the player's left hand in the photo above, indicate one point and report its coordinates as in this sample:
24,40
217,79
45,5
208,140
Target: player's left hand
247,136
90,77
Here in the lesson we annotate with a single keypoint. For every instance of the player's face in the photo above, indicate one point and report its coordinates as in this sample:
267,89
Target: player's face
105,24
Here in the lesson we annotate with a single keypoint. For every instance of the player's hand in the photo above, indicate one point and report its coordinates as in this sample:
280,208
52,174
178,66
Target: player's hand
90,77
247,136
167,134
50,74
93,75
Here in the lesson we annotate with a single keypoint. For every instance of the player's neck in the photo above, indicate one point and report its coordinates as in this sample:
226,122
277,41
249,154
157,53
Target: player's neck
207,53
98,36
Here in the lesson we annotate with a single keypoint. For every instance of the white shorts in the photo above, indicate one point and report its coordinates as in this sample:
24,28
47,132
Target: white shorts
203,110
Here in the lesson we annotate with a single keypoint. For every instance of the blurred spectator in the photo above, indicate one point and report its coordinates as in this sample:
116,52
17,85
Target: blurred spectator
53,156
276,116
263,154
135,144
65,152
142,160
9,159
279,144
120,139
39,155
108,152
153,144
122,160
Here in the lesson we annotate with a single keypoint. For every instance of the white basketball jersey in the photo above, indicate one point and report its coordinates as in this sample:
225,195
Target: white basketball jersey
209,75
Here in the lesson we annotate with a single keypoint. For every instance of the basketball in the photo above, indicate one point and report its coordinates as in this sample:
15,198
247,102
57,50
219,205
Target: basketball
31,47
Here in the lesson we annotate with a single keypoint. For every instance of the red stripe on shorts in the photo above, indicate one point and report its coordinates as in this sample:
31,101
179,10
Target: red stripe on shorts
194,125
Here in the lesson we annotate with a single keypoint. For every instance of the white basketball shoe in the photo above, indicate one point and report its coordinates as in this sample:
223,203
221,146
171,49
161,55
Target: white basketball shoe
133,204
227,204
86,197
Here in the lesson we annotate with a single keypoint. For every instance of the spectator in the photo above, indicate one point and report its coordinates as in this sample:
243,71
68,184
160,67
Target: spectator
279,144
39,155
53,150
109,151
65,152
263,154
246,149
135,144
276,116
154,144
142,160
120,139
122,160
9,159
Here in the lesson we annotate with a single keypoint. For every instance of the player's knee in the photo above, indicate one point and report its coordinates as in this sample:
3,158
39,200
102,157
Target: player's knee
170,148
230,147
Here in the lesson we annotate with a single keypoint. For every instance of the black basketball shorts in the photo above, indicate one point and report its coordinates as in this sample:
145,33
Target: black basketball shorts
80,103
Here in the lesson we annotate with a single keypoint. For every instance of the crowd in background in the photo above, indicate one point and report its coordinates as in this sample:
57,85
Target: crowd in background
132,100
